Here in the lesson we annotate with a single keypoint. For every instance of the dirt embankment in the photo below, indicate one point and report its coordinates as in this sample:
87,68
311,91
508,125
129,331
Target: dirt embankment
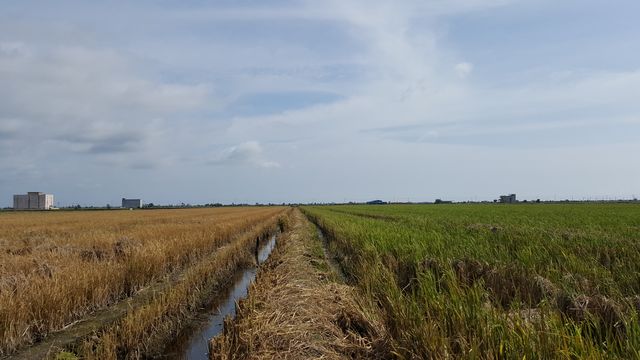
298,309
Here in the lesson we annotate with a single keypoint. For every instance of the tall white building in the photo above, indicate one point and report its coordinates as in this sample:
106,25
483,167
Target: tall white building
33,201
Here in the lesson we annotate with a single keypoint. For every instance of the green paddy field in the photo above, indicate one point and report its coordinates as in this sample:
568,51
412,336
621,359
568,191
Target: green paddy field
493,280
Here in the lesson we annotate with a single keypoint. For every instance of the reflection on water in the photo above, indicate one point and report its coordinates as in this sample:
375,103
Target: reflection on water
266,250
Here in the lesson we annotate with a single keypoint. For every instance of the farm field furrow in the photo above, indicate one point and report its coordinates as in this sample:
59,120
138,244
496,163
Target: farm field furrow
57,268
534,280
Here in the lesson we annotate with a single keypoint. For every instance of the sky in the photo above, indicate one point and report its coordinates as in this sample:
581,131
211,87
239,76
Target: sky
317,101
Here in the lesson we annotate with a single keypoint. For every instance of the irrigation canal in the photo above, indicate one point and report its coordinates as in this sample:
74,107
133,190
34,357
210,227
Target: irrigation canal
193,343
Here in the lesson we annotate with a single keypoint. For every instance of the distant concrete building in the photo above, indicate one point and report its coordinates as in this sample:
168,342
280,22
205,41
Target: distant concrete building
131,203
21,202
440,201
33,201
508,199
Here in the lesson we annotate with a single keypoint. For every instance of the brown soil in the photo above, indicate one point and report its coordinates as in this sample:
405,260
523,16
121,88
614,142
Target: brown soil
297,309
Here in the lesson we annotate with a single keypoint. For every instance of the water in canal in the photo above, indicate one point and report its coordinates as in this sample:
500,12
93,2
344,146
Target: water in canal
193,343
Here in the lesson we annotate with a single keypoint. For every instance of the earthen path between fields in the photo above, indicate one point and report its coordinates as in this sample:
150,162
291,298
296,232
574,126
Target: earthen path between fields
299,308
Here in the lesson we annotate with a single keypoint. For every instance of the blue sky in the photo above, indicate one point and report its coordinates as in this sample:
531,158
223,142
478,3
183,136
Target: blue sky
278,101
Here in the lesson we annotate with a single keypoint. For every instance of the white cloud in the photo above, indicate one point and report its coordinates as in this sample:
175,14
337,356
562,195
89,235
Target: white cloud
330,10
249,152
464,69
77,82
93,101
410,82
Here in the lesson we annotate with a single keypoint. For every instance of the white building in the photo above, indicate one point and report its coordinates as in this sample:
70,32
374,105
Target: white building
33,201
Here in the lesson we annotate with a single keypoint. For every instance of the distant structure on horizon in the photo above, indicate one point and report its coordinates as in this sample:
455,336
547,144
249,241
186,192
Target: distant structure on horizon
440,201
33,201
131,203
508,199
376,202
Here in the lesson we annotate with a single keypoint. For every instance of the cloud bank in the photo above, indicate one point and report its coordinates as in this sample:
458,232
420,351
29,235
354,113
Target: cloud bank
326,102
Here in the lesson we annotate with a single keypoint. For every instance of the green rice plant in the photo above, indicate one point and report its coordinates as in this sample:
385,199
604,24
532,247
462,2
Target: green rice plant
494,281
